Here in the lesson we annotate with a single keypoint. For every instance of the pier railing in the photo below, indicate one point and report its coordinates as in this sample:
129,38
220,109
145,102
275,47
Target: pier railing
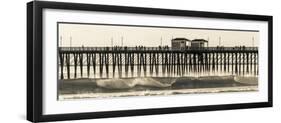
159,49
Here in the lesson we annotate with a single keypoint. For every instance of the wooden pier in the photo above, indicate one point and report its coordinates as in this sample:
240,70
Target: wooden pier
127,61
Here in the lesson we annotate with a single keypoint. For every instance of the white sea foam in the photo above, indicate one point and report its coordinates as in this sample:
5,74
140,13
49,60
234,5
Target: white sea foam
130,83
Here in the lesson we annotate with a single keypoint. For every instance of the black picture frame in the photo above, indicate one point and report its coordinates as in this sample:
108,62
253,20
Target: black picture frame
35,69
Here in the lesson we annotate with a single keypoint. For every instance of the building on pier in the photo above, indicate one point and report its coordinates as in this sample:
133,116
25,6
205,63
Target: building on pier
198,43
179,43
182,43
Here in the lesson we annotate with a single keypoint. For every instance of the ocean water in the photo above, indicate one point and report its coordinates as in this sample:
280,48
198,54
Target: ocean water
149,86
109,84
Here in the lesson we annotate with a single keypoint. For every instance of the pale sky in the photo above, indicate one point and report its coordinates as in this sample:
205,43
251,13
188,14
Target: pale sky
91,35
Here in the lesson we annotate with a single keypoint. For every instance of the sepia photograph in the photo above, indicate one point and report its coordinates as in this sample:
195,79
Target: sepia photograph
89,61
110,60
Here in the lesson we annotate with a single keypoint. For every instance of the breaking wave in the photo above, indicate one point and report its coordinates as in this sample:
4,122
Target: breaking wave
179,82
130,83
148,86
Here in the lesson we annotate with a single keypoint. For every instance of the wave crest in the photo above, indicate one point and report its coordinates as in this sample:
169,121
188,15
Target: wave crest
130,83
182,82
